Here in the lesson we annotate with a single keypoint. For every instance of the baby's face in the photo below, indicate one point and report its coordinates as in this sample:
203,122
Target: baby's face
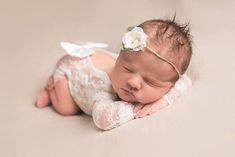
141,77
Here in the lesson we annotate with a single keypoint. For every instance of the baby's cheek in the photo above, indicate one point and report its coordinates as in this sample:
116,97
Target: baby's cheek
148,97
115,84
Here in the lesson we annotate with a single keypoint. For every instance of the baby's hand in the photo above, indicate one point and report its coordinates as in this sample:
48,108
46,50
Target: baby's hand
142,110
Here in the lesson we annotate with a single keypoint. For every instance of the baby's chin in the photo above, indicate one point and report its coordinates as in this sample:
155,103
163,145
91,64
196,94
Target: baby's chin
127,99
134,100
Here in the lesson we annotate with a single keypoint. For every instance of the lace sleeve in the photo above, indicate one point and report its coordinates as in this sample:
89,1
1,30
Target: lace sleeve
110,115
181,86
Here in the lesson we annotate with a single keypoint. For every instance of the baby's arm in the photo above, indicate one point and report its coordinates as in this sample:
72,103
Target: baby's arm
110,115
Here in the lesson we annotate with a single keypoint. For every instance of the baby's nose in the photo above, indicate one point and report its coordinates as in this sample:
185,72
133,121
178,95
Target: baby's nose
134,82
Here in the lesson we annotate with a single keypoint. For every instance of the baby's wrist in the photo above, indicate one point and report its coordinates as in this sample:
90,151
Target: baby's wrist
165,99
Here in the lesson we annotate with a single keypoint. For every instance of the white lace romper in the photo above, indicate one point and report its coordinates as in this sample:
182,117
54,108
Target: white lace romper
91,89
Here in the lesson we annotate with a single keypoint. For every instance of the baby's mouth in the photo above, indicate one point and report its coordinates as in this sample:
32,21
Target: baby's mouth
127,92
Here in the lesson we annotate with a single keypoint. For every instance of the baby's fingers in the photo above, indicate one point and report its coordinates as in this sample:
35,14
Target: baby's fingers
159,106
144,111
138,108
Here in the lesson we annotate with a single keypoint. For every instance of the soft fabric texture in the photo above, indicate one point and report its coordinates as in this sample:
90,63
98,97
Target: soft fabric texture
92,91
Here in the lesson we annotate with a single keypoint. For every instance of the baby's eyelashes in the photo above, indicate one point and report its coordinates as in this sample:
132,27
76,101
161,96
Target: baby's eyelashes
150,82
146,80
127,69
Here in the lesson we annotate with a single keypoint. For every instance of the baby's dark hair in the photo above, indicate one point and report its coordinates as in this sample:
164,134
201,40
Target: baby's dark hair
171,40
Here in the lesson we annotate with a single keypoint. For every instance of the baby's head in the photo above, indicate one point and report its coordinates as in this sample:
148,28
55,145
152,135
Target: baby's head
154,55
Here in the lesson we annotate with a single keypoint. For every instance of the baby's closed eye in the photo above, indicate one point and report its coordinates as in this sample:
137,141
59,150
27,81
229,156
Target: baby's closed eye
127,69
151,82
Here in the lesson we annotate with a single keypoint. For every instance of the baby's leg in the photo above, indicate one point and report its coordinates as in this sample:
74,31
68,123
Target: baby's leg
43,98
61,98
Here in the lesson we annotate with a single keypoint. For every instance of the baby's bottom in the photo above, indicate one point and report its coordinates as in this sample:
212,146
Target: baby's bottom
60,97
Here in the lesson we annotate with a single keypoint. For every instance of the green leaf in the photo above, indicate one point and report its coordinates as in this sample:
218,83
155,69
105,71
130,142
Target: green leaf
130,28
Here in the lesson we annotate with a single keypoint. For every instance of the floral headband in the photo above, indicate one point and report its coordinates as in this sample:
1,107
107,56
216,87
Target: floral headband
135,40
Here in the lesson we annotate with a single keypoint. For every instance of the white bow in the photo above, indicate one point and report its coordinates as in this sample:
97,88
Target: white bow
81,49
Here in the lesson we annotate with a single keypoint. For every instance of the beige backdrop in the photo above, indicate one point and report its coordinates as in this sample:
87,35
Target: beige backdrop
200,124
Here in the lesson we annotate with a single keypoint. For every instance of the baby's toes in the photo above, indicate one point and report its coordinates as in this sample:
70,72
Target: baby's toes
43,99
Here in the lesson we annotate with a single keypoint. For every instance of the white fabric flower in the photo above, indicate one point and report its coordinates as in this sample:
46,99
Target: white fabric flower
135,39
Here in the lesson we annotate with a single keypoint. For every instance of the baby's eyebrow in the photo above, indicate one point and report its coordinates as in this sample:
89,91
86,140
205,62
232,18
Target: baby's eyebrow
127,59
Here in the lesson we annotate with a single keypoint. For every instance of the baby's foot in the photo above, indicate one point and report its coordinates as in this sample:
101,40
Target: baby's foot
43,99
50,83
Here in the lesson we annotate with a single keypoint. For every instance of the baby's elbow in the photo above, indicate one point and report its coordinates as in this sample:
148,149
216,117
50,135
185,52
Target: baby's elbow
103,128
102,122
